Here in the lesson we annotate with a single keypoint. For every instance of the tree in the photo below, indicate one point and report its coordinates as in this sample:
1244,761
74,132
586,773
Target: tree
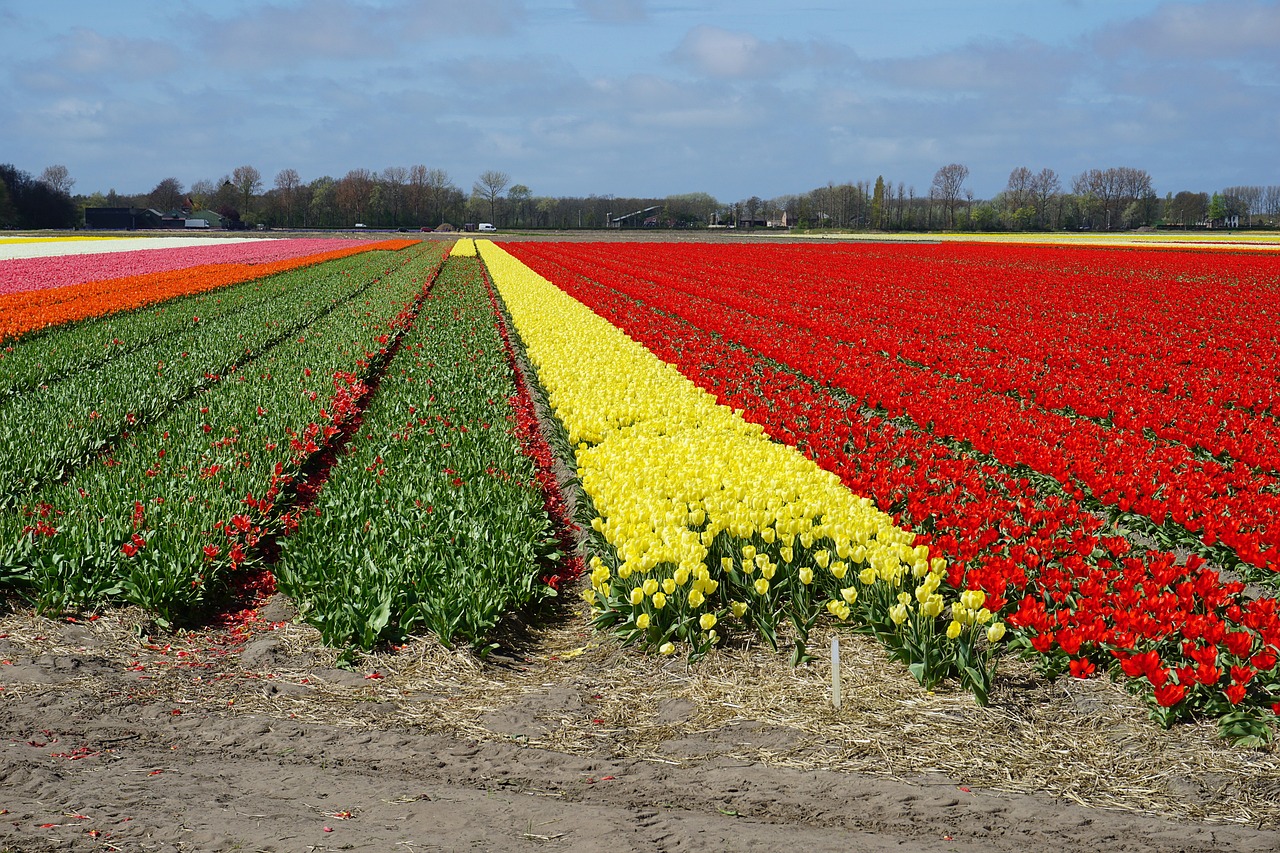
1186,208
490,187
248,183
58,179
877,203
35,203
519,196
288,184
353,194
753,205
948,182
1046,188
203,192
394,180
1217,209
167,195
8,212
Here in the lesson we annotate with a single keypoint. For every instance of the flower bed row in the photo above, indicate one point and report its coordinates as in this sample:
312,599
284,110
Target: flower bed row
705,526
66,351
57,425
434,518
1075,595
171,508
109,258
22,313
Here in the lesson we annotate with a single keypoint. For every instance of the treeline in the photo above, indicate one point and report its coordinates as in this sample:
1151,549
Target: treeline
36,203
417,196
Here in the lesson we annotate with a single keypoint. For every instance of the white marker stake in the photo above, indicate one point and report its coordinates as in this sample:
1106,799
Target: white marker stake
835,672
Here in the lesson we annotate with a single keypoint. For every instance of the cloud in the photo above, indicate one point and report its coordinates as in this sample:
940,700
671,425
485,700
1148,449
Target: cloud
1021,69
321,31
1228,30
729,54
614,11
86,52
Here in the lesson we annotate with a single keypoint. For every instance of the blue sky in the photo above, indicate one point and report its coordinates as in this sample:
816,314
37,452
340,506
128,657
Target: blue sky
643,97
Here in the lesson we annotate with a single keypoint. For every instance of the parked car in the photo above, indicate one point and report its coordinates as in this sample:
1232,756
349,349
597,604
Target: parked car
486,226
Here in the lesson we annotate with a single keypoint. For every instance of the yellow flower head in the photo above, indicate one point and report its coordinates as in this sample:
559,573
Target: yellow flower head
659,601
972,599
806,575
739,608
650,586
707,621
762,586
637,596
642,621
953,630
898,613
849,594
696,598
996,632
667,648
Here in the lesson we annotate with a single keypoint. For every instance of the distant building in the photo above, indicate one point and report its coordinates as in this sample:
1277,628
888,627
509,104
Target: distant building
121,218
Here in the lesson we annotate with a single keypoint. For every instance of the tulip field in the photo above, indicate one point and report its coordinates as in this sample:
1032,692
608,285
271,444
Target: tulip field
1081,441
968,451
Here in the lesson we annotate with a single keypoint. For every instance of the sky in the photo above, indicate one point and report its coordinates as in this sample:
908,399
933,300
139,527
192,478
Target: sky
643,98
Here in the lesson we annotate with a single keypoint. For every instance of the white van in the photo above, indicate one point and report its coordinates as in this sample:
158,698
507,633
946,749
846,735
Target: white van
486,226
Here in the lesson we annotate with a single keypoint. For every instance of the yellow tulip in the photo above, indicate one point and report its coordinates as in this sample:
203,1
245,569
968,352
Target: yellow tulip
642,621
667,648
868,576
898,613
707,621
996,632
849,594
761,586
932,606
650,586
972,599
696,598
822,558
739,608
659,601
953,630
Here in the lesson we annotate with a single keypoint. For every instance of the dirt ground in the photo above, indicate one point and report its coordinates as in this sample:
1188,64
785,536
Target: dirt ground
246,736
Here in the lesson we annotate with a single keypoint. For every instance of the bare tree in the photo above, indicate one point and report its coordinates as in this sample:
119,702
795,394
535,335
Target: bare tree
58,179
394,179
248,183
948,182
353,194
288,183
1046,188
167,195
490,187
202,192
